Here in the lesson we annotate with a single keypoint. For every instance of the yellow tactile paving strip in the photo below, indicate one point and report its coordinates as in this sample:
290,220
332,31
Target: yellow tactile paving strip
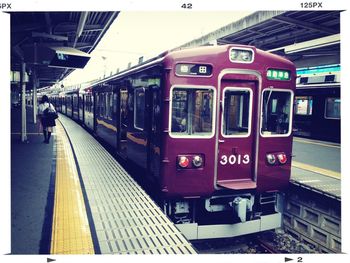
315,169
70,227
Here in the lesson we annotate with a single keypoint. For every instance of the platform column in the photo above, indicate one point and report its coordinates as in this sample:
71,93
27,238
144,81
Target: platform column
35,108
24,119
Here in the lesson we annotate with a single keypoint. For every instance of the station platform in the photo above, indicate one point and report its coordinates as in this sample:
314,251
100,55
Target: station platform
316,165
72,197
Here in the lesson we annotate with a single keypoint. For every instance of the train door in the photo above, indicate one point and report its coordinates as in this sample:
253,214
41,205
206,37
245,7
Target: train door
81,108
236,135
153,154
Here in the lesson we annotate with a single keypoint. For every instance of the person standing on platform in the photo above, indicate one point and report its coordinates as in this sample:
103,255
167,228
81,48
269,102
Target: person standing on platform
46,121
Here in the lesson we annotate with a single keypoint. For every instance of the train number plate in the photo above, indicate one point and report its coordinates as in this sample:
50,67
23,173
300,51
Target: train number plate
235,159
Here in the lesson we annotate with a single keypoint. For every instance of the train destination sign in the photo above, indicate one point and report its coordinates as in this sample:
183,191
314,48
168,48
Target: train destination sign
186,69
278,74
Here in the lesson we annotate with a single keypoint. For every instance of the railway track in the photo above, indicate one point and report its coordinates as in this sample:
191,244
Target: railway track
269,242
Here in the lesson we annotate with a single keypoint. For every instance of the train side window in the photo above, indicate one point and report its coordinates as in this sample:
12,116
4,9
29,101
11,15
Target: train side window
276,113
237,112
104,110
332,108
192,112
109,105
88,103
106,102
98,105
139,108
303,105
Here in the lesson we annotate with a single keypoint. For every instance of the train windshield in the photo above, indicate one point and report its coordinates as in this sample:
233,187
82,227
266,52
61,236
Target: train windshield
192,112
276,112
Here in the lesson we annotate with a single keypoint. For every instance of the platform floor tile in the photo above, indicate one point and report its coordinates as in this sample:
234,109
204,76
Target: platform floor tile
126,219
317,182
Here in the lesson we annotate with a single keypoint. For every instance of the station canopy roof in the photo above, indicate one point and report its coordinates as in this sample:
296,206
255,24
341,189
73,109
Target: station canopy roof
283,32
294,34
35,34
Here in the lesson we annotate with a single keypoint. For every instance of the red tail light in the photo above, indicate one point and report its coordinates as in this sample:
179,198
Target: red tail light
282,158
183,162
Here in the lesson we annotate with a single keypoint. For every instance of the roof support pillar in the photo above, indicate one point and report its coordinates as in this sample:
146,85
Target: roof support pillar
35,100
23,96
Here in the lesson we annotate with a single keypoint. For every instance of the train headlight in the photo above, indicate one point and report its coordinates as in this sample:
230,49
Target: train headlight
241,55
282,158
197,161
271,159
183,161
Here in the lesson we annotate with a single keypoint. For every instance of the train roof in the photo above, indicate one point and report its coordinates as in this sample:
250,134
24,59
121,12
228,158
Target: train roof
209,52
193,54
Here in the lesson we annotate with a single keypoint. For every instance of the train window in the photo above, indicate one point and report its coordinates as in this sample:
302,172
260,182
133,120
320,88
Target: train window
276,113
114,103
75,101
303,105
237,112
332,108
109,105
139,108
101,103
104,104
87,102
97,105
80,101
192,112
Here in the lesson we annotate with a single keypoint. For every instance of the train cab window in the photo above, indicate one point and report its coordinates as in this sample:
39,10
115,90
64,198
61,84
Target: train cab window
237,112
332,108
139,110
276,113
192,112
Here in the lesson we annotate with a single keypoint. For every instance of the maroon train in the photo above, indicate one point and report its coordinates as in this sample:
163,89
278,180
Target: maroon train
211,126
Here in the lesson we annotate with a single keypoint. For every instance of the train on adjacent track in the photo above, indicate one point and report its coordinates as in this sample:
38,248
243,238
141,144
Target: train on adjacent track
211,127
318,104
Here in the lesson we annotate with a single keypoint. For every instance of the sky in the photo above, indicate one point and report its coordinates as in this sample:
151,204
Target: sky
137,33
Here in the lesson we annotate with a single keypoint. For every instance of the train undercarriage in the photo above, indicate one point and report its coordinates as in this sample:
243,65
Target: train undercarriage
226,215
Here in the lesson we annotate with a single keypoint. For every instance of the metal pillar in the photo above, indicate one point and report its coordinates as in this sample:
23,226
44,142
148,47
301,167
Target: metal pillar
24,119
35,108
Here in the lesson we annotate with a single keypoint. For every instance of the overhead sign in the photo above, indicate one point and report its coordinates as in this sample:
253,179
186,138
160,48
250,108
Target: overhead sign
67,57
60,57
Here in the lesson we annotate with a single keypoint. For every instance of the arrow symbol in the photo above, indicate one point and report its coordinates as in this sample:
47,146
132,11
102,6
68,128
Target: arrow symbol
287,259
50,260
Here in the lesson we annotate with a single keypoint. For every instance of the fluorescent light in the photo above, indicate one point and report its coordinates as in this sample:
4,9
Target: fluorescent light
312,44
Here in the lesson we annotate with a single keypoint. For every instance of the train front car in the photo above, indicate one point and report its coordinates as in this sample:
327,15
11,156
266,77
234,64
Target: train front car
228,142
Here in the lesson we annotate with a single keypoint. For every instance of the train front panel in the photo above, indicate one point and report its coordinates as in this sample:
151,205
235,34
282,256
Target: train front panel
228,121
